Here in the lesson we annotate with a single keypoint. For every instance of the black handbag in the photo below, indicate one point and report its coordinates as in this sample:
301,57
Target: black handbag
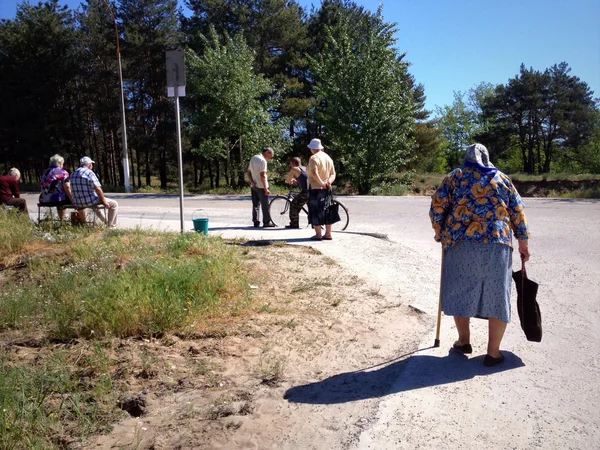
332,212
527,305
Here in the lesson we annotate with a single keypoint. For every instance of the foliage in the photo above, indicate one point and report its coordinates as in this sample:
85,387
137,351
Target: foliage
544,115
276,30
150,29
366,103
38,72
229,102
60,93
457,124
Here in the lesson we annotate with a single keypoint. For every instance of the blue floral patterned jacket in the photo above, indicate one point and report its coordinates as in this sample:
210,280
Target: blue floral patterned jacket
475,206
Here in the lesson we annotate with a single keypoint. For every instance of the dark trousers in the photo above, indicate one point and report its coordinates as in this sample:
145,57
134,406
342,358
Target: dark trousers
297,203
19,203
260,198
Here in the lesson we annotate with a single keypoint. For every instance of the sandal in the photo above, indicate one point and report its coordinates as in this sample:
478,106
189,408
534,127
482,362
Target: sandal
327,238
316,238
490,361
465,349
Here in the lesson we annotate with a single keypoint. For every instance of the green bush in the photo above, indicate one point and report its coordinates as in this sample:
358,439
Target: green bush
128,285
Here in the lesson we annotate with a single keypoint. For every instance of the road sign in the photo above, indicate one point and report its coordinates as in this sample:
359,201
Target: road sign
175,69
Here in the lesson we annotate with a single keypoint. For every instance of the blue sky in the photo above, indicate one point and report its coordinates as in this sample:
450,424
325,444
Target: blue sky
454,45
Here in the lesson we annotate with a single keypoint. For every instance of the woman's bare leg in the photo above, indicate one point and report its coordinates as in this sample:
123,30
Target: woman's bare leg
496,333
464,332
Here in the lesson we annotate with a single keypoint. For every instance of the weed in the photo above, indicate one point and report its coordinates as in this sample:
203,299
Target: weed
16,231
290,324
272,368
329,261
336,301
41,403
302,287
148,371
267,308
375,291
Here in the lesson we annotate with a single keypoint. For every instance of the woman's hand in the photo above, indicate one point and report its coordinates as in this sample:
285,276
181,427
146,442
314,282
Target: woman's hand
524,249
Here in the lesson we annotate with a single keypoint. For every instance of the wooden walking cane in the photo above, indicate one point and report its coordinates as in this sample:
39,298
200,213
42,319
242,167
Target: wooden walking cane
436,343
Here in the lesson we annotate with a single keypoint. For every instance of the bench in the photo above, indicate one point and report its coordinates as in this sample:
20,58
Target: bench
89,219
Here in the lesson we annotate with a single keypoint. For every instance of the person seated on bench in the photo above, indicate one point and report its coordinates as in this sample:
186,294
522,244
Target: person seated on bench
9,190
86,191
56,189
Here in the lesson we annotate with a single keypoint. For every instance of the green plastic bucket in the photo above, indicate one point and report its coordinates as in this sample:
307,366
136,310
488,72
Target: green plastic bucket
201,222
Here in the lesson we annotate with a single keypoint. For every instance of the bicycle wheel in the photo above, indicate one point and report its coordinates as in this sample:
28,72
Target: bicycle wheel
279,208
344,216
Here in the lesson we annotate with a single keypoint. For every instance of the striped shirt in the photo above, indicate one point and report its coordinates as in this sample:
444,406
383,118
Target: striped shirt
83,184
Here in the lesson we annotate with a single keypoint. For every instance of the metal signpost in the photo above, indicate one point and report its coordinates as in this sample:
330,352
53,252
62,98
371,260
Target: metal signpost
123,124
176,88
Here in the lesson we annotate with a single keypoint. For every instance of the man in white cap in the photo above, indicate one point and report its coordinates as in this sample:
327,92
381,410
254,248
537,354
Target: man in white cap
87,191
321,174
259,185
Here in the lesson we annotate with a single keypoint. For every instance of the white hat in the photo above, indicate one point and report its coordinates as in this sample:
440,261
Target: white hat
316,143
85,161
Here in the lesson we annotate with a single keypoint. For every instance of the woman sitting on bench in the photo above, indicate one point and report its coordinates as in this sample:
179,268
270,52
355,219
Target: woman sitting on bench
56,189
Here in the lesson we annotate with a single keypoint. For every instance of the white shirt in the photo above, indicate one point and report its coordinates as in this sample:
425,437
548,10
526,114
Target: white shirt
258,164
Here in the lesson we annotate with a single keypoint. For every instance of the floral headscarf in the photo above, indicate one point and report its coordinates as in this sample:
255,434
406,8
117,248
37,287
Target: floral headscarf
477,156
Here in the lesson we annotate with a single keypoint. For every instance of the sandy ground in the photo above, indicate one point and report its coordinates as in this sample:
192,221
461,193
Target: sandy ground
321,324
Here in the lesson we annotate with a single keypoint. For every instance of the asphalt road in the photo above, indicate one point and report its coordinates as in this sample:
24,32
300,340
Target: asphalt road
546,395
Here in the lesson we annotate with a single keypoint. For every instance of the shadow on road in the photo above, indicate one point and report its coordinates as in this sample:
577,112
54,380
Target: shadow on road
416,372
264,242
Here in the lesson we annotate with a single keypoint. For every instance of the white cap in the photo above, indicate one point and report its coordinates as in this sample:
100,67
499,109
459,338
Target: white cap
85,161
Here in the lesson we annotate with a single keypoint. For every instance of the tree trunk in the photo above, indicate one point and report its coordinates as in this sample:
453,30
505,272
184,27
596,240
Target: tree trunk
228,176
201,179
210,174
242,171
195,165
147,151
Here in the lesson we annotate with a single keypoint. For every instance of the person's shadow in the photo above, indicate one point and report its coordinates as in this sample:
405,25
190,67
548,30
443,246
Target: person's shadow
400,375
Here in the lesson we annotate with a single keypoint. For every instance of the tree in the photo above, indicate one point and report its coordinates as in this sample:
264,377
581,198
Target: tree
38,73
229,104
366,103
545,113
428,154
151,28
275,30
458,126
99,93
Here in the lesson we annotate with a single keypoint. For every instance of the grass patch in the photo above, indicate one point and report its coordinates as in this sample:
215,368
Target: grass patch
126,284
15,232
52,403
67,293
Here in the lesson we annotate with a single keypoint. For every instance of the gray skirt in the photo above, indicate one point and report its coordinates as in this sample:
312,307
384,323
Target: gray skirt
476,280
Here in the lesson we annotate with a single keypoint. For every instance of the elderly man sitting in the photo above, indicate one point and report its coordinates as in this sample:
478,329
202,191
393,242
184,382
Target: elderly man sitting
87,191
9,190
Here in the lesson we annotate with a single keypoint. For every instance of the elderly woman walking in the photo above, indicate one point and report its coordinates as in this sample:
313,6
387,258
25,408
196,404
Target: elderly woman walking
474,212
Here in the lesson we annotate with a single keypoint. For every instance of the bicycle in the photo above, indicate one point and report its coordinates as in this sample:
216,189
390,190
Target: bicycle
279,207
